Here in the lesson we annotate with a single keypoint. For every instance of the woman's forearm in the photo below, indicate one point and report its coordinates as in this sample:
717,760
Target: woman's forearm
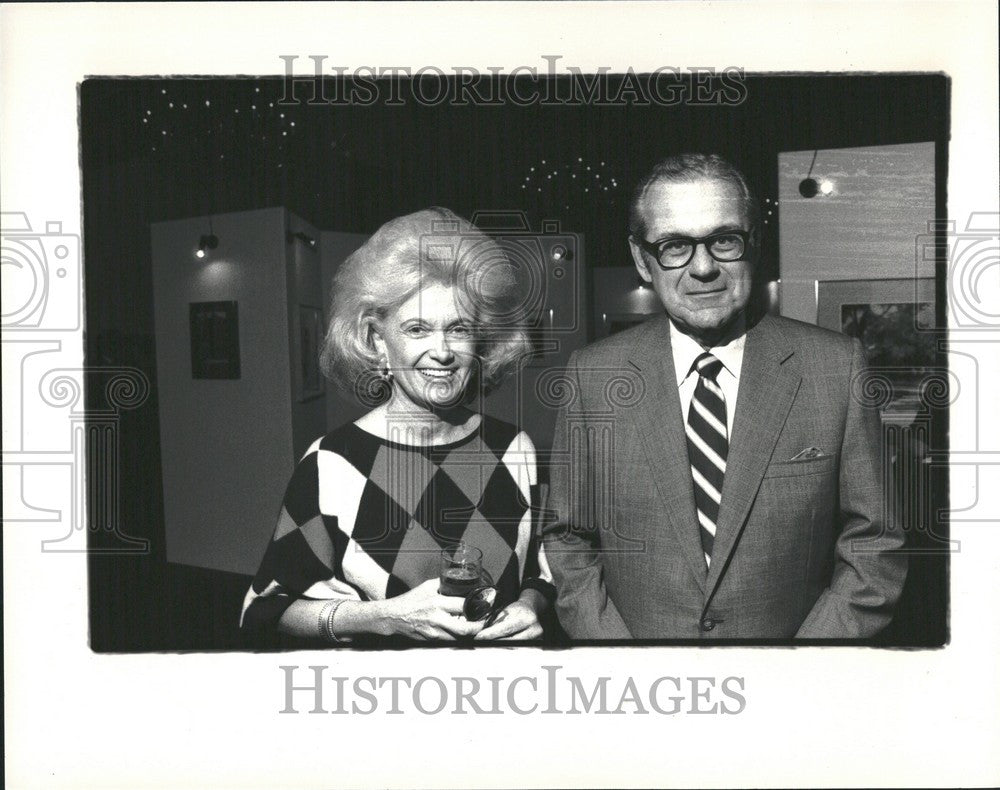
310,619
408,615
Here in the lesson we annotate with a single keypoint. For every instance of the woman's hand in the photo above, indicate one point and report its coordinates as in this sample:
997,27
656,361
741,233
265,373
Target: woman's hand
423,613
519,620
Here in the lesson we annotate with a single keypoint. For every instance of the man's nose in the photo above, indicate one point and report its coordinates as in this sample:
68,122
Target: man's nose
703,265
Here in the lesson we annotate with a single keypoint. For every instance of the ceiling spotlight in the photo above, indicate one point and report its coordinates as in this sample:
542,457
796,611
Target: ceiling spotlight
808,186
305,238
205,243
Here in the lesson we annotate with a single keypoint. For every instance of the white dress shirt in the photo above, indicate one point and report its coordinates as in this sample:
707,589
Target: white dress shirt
730,353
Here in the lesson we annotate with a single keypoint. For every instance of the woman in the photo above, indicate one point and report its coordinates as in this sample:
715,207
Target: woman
424,319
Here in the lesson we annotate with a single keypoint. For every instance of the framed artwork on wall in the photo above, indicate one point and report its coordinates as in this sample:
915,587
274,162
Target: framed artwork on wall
308,379
895,321
215,340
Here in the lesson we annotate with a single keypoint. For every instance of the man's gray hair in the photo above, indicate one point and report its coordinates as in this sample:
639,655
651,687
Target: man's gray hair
687,168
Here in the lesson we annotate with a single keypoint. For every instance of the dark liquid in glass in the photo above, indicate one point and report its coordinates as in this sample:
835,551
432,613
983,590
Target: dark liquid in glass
458,581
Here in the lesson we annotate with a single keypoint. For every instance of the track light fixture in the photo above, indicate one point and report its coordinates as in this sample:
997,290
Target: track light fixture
208,241
205,243
305,238
809,187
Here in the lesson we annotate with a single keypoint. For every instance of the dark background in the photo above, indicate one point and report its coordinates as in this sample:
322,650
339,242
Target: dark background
231,145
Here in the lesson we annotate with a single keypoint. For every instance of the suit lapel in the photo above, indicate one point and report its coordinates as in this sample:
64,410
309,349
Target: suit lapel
769,379
661,425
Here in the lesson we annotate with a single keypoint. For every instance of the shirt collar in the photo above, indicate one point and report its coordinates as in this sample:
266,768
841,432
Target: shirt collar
686,350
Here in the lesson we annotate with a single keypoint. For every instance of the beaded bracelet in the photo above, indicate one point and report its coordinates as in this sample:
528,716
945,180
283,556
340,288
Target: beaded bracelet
326,619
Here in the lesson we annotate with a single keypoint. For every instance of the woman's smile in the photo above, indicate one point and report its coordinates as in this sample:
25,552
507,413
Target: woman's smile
437,373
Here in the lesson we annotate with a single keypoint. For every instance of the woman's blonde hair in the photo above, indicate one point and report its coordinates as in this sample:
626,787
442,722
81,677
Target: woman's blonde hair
404,256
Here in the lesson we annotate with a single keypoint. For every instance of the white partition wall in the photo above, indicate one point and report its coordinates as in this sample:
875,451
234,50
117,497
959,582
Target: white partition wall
229,445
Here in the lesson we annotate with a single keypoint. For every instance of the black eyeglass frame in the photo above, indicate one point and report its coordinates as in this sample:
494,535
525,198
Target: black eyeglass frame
653,248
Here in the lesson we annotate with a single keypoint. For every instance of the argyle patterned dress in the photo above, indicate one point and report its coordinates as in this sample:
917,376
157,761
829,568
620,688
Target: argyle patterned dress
365,518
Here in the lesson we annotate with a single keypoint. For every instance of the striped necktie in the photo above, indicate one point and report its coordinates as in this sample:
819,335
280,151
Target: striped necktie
708,447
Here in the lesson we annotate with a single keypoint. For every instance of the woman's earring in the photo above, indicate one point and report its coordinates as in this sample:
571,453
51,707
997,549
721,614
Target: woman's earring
384,373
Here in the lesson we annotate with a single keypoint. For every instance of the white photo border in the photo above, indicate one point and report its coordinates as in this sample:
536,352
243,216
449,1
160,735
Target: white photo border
844,716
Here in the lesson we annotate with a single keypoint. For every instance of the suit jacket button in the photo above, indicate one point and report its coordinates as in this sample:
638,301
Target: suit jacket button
707,624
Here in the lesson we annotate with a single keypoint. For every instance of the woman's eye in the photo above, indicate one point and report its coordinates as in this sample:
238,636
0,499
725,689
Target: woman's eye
462,330
415,331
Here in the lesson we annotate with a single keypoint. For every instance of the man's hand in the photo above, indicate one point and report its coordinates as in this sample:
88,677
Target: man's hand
518,621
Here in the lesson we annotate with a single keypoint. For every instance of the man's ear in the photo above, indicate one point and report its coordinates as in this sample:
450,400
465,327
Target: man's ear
755,242
640,261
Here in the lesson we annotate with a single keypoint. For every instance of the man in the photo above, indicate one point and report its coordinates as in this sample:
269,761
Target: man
715,474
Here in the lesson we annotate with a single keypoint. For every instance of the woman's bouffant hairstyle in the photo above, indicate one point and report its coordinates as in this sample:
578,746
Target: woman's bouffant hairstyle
405,255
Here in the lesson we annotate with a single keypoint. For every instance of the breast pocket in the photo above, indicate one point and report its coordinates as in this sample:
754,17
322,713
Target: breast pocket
819,465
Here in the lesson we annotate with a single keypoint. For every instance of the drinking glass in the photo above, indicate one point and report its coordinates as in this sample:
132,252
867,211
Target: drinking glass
461,569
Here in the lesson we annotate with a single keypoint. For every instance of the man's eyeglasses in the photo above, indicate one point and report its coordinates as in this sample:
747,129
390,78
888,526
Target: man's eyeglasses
676,252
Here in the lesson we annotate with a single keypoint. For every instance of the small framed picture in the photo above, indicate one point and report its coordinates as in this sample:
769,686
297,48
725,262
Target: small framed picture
308,379
215,340
895,321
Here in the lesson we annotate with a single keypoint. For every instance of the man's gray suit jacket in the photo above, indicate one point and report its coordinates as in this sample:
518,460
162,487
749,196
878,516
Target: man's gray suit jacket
802,546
